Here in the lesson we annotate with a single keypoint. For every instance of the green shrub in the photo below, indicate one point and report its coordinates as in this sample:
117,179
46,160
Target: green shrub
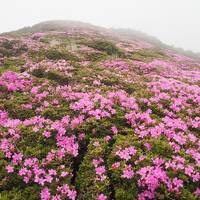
124,188
88,186
54,54
147,55
12,48
14,106
9,62
51,75
96,56
57,77
106,46
38,73
28,193
9,68
54,113
110,81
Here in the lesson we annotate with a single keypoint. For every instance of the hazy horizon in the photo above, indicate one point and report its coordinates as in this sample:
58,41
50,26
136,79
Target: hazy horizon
174,22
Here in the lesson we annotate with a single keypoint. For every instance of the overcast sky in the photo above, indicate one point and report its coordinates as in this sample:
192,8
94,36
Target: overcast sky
175,22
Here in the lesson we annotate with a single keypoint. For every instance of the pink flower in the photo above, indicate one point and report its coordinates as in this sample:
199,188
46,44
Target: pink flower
81,136
28,162
64,174
48,178
17,158
96,162
76,121
23,171
47,134
128,172
114,130
96,82
100,170
126,153
10,169
52,172
45,194
46,104
189,170
56,197
107,138
34,90
197,192
116,165
146,193
148,146
96,144
72,194
101,197
178,182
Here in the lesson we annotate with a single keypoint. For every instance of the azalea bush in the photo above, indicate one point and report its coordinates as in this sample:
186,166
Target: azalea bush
54,54
92,179
96,117
106,46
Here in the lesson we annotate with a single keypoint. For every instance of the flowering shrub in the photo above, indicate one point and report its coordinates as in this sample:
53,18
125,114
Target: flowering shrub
92,178
109,47
83,117
118,64
12,81
38,167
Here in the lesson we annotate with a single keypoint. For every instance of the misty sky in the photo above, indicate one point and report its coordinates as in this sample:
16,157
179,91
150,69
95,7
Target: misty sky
175,22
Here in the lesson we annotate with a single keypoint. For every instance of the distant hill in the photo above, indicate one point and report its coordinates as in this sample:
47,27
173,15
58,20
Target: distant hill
66,25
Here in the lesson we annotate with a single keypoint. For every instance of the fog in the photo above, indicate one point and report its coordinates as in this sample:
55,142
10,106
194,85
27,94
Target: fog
174,22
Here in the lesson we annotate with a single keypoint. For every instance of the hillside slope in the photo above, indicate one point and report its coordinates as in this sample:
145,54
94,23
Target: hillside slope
89,113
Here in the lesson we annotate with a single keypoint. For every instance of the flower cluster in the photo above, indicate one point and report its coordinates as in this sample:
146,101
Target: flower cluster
99,169
116,64
15,82
61,66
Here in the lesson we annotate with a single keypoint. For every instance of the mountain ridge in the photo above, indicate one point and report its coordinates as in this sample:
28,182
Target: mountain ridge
64,25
